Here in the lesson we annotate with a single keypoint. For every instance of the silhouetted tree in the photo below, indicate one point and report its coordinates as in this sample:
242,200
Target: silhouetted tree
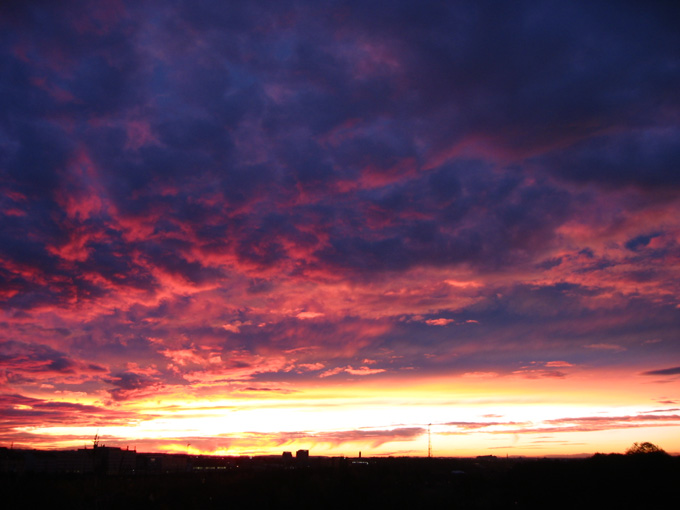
639,448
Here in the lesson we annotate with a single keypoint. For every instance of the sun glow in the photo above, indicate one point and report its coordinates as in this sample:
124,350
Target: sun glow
467,416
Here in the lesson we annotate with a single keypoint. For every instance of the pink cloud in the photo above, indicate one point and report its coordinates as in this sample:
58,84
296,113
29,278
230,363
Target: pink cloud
75,249
353,371
184,357
235,327
139,134
310,367
364,371
332,371
439,322
309,315
17,411
558,364
540,374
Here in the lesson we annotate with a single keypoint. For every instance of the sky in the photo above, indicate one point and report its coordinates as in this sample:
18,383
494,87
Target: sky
243,227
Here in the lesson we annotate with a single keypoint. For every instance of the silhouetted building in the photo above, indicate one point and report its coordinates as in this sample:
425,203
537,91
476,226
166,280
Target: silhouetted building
36,461
302,455
287,456
107,460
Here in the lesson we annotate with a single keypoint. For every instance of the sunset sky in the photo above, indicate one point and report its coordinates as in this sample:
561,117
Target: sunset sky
244,227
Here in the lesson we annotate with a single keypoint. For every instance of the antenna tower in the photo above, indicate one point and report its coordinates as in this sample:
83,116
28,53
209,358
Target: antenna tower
429,441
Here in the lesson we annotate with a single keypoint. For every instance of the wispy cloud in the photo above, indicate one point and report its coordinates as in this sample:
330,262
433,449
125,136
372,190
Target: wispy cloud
663,371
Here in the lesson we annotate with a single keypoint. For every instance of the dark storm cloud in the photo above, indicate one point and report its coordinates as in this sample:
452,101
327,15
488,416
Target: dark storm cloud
567,61
444,218
197,138
38,150
644,159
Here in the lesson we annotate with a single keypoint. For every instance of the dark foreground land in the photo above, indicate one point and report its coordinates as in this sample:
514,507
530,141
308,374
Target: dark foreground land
601,481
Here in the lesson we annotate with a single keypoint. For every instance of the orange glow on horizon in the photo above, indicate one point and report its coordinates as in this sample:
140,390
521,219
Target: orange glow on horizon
469,415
